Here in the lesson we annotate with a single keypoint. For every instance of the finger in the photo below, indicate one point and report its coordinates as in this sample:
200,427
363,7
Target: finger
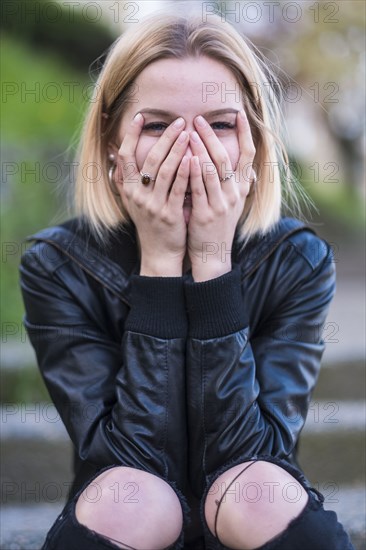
169,167
128,149
247,152
161,148
179,187
199,196
214,146
220,157
209,172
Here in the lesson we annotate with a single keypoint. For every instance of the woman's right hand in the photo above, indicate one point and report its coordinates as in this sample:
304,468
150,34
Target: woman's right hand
157,209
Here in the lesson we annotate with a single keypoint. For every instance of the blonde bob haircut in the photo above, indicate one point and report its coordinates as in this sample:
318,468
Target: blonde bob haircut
169,35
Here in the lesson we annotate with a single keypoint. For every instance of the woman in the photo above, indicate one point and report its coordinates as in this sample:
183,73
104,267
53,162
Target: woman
177,318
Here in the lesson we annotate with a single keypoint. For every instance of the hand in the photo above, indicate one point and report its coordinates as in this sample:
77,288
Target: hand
157,209
216,206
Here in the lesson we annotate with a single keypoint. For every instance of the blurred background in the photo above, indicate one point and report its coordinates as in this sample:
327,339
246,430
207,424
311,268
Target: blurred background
49,61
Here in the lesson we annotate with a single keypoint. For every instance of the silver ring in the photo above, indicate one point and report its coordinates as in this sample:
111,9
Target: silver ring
146,178
227,177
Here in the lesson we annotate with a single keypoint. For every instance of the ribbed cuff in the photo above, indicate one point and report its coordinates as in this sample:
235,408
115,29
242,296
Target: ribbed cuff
215,307
157,307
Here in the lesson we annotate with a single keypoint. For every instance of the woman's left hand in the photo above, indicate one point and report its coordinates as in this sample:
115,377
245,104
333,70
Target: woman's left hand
217,205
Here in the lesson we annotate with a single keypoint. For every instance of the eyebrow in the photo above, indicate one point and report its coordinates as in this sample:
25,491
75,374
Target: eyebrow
161,112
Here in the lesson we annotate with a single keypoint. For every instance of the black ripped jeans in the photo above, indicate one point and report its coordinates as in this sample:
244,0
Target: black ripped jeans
314,529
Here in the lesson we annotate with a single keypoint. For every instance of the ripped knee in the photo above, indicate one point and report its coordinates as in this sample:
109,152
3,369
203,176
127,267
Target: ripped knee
253,502
132,508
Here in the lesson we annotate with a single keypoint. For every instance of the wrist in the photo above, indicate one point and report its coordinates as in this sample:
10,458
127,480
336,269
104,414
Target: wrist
210,270
157,306
215,307
160,269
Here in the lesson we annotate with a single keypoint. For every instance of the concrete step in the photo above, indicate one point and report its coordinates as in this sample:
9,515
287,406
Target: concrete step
349,504
36,459
42,421
343,332
33,469
344,380
31,533
323,458
36,454
21,380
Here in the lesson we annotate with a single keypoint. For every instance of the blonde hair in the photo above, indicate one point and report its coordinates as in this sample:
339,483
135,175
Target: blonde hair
167,35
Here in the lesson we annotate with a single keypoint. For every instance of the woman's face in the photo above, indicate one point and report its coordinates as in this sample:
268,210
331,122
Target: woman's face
172,88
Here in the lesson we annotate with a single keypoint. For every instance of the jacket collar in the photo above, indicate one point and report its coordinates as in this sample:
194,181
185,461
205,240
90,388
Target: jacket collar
110,266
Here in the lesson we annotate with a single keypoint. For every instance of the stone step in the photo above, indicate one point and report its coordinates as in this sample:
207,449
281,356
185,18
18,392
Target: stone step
21,380
341,381
25,527
348,503
34,469
343,333
37,473
42,421
35,454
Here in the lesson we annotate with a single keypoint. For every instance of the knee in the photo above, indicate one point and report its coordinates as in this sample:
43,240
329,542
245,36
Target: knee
245,510
131,507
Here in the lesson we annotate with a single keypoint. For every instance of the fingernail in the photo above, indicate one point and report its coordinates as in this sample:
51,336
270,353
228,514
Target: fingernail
179,123
195,137
196,161
138,117
242,114
201,121
182,137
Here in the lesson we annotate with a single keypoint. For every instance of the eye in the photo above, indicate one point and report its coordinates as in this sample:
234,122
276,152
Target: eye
222,125
155,127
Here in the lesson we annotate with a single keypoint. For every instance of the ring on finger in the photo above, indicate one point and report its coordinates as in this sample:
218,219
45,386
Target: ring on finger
227,177
146,178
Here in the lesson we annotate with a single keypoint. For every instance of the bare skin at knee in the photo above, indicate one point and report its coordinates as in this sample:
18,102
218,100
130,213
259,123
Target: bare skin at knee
132,508
258,506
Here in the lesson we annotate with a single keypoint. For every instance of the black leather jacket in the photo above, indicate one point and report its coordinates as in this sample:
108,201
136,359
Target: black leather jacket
169,375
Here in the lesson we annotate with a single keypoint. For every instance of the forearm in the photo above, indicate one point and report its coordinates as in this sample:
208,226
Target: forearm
151,407
244,399
107,390
216,338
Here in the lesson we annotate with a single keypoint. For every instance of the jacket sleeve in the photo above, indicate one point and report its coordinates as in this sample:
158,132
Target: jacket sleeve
249,391
121,399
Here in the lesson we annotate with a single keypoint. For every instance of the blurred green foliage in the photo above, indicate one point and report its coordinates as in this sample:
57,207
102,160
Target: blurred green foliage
44,97
36,141
45,89
341,206
57,27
